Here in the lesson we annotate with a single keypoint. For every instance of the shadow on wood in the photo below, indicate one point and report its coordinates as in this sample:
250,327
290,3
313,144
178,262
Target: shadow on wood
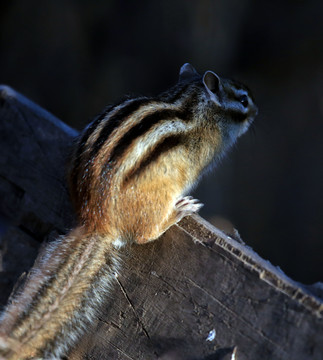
195,293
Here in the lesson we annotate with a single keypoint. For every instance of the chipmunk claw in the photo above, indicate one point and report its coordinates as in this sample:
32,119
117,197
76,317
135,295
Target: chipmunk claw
187,205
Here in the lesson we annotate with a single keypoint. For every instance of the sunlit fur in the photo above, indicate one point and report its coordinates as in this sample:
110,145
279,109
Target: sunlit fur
129,169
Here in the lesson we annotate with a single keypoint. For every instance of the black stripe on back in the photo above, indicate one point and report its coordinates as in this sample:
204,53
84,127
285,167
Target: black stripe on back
160,149
144,126
115,121
84,138
92,127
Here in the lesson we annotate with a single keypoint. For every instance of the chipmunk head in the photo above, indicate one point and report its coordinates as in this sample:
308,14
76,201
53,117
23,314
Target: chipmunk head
229,102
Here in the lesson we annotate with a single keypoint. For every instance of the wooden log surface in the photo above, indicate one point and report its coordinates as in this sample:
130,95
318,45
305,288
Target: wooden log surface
195,293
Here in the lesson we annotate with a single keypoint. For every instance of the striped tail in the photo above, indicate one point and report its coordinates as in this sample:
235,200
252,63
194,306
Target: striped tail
60,297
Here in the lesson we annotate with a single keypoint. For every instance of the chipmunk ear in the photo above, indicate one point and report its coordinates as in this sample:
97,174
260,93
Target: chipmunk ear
212,82
187,72
212,85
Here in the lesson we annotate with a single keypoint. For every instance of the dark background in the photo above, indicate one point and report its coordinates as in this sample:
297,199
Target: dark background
75,57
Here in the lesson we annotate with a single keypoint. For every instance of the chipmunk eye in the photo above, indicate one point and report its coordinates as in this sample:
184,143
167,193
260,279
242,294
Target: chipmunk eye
244,100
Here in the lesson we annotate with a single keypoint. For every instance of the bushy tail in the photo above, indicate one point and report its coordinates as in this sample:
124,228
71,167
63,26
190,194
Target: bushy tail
60,297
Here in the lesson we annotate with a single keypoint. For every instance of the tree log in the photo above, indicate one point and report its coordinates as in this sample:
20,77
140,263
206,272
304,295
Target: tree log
195,293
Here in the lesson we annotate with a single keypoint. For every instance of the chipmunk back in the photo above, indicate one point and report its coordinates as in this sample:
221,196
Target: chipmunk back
130,172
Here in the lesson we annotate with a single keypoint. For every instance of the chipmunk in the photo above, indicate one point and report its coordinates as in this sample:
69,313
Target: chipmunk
130,172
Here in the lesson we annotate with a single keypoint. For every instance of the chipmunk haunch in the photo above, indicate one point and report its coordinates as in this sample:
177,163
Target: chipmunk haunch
129,175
